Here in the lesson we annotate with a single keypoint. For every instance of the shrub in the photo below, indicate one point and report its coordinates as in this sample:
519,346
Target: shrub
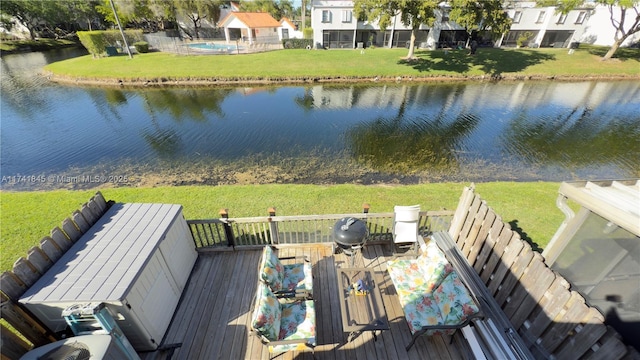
297,43
307,33
96,41
141,46
524,37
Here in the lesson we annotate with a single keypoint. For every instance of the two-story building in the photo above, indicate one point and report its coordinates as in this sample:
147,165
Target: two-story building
335,26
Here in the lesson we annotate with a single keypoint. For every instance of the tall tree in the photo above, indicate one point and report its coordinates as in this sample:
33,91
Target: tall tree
412,13
81,11
198,10
480,15
266,6
163,11
623,14
122,10
29,13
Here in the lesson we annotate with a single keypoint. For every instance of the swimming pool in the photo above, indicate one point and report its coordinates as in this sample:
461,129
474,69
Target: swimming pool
213,47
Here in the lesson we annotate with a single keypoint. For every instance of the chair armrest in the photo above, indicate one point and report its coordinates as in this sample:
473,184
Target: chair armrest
303,257
292,341
294,294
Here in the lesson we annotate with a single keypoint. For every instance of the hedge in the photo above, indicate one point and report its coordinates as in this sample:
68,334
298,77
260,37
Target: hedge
297,43
96,42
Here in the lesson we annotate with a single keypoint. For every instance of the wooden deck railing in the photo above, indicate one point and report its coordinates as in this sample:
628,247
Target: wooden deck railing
554,321
228,232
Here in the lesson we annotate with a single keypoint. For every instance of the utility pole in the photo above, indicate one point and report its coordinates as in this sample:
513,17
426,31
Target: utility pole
115,13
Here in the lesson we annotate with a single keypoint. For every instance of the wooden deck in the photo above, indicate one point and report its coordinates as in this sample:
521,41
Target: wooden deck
213,319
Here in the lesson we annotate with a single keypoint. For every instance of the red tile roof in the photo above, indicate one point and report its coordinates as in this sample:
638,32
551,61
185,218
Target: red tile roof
286,20
253,19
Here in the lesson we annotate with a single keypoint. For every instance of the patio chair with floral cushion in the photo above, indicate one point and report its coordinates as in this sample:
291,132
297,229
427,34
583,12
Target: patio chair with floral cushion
433,298
286,280
283,325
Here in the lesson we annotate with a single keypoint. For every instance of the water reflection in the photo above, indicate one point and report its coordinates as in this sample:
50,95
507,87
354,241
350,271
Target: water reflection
403,133
406,145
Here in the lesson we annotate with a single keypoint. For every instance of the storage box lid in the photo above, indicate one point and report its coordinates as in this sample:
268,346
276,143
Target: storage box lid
105,261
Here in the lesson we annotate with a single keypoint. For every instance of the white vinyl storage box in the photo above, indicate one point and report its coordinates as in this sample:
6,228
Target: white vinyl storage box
136,259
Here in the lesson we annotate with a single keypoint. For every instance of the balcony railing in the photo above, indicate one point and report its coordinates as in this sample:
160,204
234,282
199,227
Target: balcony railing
227,232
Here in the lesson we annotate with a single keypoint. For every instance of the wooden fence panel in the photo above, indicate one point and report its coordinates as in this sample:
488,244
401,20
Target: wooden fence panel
24,323
50,248
511,252
61,239
27,273
70,228
609,347
95,209
80,221
562,326
553,320
11,285
488,243
483,232
551,305
88,214
101,202
585,336
494,258
472,221
512,279
532,286
39,260
13,346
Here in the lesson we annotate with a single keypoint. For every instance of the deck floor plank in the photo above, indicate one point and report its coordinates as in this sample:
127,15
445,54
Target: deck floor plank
214,317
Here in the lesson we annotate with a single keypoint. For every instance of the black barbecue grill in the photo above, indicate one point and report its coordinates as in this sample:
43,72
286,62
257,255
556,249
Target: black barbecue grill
349,235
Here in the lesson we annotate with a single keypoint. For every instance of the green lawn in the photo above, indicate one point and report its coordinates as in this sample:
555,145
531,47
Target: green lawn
26,217
318,65
10,46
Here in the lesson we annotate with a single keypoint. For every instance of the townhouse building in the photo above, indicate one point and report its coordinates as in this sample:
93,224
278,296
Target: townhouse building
336,26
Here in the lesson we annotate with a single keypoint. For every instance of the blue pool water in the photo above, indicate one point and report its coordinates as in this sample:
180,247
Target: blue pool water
212,47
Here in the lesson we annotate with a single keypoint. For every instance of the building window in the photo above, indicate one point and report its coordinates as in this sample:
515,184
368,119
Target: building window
326,16
562,18
541,16
346,16
581,16
517,16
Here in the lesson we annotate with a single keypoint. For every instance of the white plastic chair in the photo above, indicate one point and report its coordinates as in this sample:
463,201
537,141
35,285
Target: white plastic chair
405,226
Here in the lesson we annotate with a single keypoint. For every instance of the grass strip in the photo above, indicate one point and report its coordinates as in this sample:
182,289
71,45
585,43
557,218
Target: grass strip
346,65
43,44
28,216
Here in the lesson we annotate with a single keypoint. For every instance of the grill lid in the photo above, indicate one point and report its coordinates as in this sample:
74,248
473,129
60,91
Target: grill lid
350,231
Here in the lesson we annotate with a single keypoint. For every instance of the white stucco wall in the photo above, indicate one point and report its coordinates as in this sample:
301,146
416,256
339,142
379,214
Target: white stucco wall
600,31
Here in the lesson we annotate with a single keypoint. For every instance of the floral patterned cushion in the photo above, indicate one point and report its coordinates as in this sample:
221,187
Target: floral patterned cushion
272,270
267,315
298,322
454,301
414,278
449,304
297,277
433,264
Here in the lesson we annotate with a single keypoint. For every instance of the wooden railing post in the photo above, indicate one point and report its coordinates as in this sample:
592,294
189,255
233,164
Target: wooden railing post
228,230
273,226
365,208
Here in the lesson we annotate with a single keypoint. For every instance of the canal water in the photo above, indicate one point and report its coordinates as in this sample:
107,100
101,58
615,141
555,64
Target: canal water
58,136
